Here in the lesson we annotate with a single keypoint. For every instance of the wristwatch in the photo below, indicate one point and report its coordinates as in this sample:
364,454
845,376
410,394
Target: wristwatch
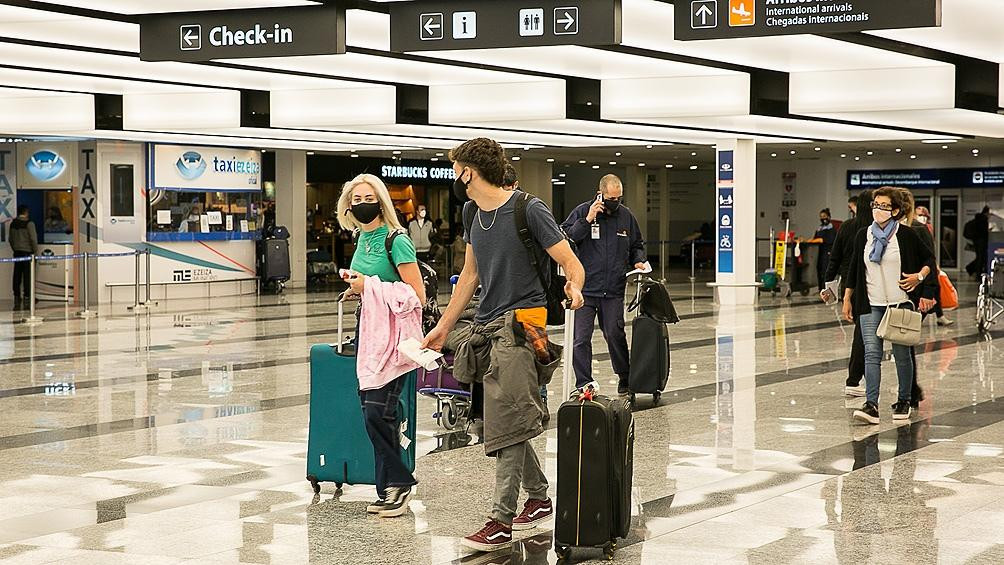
920,277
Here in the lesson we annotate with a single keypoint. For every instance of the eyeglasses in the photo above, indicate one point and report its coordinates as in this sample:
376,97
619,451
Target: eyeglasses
885,207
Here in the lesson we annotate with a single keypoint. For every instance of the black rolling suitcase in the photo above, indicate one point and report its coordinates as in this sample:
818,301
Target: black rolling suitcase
649,357
595,468
275,263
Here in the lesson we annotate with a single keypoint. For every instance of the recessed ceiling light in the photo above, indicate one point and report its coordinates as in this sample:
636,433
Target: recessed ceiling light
582,161
773,154
857,158
550,160
870,153
641,164
899,150
693,167
397,152
944,147
354,155
618,154
563,175
913,156
434,159
596,166
613,162
439,154
648,147
843,155
976,151
264,150
526,148
693,153
817,148
516,158
669,165
792,151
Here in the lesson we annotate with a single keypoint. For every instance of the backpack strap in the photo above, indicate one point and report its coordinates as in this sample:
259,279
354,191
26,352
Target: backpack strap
526,236
389,245
469,211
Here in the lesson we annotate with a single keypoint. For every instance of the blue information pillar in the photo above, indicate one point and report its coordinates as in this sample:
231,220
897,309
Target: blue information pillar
735,209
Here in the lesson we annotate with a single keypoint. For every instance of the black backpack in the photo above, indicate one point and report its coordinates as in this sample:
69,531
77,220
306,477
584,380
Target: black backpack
430,310
654,302
969,230
547,269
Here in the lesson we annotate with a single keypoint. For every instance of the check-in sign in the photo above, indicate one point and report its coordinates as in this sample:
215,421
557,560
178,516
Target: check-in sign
234,34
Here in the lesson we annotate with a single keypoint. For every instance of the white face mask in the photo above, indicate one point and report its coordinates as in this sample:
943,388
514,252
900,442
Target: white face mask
922,219
421,213
881,216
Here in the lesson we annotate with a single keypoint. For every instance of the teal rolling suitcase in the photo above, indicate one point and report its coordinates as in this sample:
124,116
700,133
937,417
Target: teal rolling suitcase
338,448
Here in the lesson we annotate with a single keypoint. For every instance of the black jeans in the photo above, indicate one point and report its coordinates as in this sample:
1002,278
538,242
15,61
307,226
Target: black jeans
380,407
856,364
610,312
22,276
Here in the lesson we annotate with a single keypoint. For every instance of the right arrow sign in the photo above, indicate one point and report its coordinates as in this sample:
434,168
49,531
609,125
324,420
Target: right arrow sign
566,20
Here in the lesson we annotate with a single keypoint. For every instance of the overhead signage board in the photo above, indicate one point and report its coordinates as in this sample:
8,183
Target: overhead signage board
728,19
191,168
235,34
989,177
437,25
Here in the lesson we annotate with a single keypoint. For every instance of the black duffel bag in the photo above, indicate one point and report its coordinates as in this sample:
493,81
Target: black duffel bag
652,300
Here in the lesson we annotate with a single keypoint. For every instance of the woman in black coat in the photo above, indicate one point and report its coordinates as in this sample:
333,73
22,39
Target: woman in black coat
888,265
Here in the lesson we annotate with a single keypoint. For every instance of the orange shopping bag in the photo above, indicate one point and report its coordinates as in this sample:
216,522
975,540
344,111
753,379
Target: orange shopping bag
949,297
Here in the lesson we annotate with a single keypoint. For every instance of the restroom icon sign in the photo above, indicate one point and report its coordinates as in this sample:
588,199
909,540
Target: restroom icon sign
531,22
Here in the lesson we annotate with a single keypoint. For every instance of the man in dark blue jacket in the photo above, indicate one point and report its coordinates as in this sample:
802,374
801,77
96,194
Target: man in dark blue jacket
609,244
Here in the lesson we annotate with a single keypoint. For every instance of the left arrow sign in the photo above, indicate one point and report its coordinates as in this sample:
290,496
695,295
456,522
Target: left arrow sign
190,37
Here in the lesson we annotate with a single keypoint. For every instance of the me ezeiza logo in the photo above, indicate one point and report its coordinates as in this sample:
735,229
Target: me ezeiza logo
45,165
191,165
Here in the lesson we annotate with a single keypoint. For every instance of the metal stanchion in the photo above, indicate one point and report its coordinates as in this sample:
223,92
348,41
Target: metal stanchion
137,306
662,259
150,302
32,318
693,260
85,285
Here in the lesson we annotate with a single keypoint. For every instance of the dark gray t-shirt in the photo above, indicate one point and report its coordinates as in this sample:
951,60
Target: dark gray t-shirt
508,279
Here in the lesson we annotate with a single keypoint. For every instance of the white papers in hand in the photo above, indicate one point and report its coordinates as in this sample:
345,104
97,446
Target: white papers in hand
427,358
643,271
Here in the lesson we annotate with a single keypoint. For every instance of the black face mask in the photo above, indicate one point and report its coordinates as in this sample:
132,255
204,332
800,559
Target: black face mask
366,212
824,221
611,206
460,189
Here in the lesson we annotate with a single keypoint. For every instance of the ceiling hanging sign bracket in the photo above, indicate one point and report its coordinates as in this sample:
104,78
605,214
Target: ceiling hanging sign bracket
731,19
437,25
193,37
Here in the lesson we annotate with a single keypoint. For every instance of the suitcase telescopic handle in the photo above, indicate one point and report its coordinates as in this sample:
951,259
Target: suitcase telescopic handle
341,322
568,343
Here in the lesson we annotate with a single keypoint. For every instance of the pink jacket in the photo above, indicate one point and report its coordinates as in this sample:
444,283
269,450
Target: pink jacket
391,313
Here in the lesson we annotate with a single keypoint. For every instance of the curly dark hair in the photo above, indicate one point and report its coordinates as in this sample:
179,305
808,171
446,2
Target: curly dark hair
894,195
483,155
511,177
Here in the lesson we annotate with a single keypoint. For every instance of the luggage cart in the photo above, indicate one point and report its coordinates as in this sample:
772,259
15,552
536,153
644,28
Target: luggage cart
990,300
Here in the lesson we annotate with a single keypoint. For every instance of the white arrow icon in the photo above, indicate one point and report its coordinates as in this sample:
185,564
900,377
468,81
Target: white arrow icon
568,20
704,11
190,37
431,25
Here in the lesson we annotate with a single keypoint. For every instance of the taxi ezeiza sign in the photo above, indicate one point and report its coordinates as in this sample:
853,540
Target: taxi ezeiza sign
232,34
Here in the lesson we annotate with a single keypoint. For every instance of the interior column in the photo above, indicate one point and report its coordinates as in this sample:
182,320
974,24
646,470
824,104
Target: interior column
735,209
291,209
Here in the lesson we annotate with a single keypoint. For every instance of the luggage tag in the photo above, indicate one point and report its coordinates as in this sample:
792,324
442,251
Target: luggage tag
596,230
405,440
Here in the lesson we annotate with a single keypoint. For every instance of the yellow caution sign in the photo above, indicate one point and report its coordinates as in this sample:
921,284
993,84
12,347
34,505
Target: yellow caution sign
780,251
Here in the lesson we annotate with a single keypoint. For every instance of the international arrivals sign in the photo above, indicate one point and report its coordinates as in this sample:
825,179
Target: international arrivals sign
727,19
233,34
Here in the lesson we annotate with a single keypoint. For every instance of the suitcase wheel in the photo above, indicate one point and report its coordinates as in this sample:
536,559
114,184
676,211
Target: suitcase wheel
608,551
632,398
314,484
656,397
562,551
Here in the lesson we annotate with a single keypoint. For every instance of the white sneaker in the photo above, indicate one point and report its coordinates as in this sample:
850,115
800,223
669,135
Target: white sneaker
945,322
857,391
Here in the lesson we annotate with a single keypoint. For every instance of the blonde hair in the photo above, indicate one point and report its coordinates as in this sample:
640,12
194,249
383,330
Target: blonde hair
387,211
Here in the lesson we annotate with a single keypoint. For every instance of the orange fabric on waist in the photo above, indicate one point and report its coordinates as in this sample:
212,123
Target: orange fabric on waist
532,316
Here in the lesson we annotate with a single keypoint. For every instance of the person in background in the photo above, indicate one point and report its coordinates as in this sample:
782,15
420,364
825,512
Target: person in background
23,238
839,265
365,205
609,244
925,229
421,231
852,207
511,180
888,267
825,236
55,223
977,231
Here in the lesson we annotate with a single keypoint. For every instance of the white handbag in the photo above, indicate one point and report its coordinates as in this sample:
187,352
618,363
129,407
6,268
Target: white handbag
900,325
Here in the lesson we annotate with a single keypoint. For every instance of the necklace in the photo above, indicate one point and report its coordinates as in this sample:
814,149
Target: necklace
494,217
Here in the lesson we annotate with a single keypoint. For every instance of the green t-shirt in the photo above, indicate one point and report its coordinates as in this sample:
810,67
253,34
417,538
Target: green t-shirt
370,258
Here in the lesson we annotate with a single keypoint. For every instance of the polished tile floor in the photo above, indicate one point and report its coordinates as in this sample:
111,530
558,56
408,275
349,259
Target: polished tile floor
180,437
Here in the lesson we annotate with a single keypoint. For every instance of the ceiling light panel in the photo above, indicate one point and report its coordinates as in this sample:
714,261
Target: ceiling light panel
628,134
578,61
968,27
649,24
85,84
183,110
474,103
333,107
772,126
52,27
45,112
872,90
950,120
630,99
146,6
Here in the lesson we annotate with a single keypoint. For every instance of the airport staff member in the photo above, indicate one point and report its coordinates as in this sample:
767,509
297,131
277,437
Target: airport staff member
609,244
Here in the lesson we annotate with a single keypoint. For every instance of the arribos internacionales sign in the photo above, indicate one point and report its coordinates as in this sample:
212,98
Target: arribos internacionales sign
726,19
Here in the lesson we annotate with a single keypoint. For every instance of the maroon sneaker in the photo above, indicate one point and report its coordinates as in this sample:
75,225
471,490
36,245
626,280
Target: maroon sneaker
534,512
493,537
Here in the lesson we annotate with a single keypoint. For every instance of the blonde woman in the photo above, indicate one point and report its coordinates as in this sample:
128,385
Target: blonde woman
365,207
